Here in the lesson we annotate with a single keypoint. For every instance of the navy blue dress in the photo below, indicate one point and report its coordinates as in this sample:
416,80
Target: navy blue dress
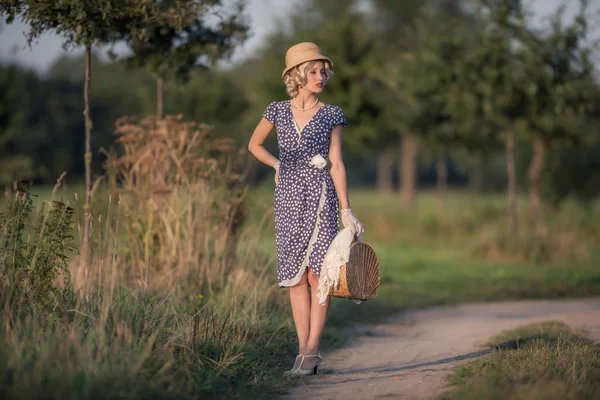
305,202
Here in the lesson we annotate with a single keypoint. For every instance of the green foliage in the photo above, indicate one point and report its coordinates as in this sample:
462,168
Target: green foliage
47,127
79,22
34,255
11,102
13,119
559,85
520,76
573,172
415,42
490,70
211,97
180,37
432,78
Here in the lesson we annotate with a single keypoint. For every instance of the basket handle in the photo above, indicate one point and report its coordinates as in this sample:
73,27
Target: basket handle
357,238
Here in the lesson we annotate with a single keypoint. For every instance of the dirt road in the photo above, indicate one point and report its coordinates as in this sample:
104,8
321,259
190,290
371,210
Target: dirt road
409,356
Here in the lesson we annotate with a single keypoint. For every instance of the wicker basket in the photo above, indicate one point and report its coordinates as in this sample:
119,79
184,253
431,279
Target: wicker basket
359,277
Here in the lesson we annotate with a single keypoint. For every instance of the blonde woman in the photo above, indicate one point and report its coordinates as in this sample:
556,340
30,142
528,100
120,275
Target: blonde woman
308,195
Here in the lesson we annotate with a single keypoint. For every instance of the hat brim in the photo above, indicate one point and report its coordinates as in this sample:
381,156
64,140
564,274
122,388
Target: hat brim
321,58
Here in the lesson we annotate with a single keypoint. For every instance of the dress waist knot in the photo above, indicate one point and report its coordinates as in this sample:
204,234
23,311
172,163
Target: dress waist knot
316,161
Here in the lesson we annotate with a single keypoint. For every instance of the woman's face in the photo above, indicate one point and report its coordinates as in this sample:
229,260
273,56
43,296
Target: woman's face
316,77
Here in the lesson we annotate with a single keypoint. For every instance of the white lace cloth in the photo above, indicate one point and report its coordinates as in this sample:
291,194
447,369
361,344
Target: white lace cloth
337,255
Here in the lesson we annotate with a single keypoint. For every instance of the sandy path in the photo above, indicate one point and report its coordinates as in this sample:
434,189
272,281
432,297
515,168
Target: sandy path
409,356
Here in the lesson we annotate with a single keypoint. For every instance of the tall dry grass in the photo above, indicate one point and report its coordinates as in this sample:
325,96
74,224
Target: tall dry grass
174,303
181,194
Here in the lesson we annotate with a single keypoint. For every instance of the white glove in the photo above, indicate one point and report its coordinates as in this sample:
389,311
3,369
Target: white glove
350,221
276,166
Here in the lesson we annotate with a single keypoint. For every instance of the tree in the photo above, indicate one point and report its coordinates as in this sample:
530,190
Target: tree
433,75
181,37
411,99
81,23
494,72
395,47
561,91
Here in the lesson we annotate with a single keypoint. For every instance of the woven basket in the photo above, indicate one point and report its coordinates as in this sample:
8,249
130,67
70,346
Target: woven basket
359,277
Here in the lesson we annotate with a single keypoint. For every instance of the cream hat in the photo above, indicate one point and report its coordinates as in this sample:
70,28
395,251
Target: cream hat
302,52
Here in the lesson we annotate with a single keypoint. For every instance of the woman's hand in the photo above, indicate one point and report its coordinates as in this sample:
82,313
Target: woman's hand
350,221
276,166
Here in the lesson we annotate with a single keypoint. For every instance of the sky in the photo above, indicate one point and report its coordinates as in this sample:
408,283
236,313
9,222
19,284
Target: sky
264,16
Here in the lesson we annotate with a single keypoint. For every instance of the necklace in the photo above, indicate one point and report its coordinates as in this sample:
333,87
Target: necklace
307,108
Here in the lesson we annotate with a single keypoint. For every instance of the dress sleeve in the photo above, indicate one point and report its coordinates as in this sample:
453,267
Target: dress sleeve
338,117
270,113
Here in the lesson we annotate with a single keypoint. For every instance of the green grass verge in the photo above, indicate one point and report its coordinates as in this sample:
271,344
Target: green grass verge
539,361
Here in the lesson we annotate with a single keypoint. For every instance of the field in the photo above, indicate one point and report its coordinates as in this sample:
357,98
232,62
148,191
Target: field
172,338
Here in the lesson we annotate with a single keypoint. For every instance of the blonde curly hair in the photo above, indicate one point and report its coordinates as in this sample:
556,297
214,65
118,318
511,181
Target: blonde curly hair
295,78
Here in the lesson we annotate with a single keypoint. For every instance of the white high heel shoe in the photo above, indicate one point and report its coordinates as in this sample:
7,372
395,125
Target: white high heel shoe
306,365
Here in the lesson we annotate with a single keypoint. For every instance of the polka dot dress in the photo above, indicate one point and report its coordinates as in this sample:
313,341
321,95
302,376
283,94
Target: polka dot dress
305,202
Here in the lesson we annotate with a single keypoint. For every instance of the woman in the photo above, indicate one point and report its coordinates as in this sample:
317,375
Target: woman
307,194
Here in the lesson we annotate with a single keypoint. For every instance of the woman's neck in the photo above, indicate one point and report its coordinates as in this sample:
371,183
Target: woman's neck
305,99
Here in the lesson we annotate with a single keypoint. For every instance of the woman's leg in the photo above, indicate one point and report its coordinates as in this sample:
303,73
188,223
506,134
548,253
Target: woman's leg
300,299
318,316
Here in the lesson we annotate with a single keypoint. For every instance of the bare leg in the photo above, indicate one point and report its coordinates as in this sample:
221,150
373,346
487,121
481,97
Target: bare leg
318,317
300,299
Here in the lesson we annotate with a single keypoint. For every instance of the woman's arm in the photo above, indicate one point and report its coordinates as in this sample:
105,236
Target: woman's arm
255,146
338,175
338,171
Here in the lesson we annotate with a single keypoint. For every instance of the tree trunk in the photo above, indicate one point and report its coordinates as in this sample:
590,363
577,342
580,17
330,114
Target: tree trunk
160,97
87,159
408,167
535,170
442,181
476,174
385,167
512,181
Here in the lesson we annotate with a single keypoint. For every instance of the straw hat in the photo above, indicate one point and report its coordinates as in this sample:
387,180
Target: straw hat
302,52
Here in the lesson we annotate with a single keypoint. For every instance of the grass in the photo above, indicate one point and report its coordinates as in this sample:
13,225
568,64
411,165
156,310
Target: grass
539,361
152,339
